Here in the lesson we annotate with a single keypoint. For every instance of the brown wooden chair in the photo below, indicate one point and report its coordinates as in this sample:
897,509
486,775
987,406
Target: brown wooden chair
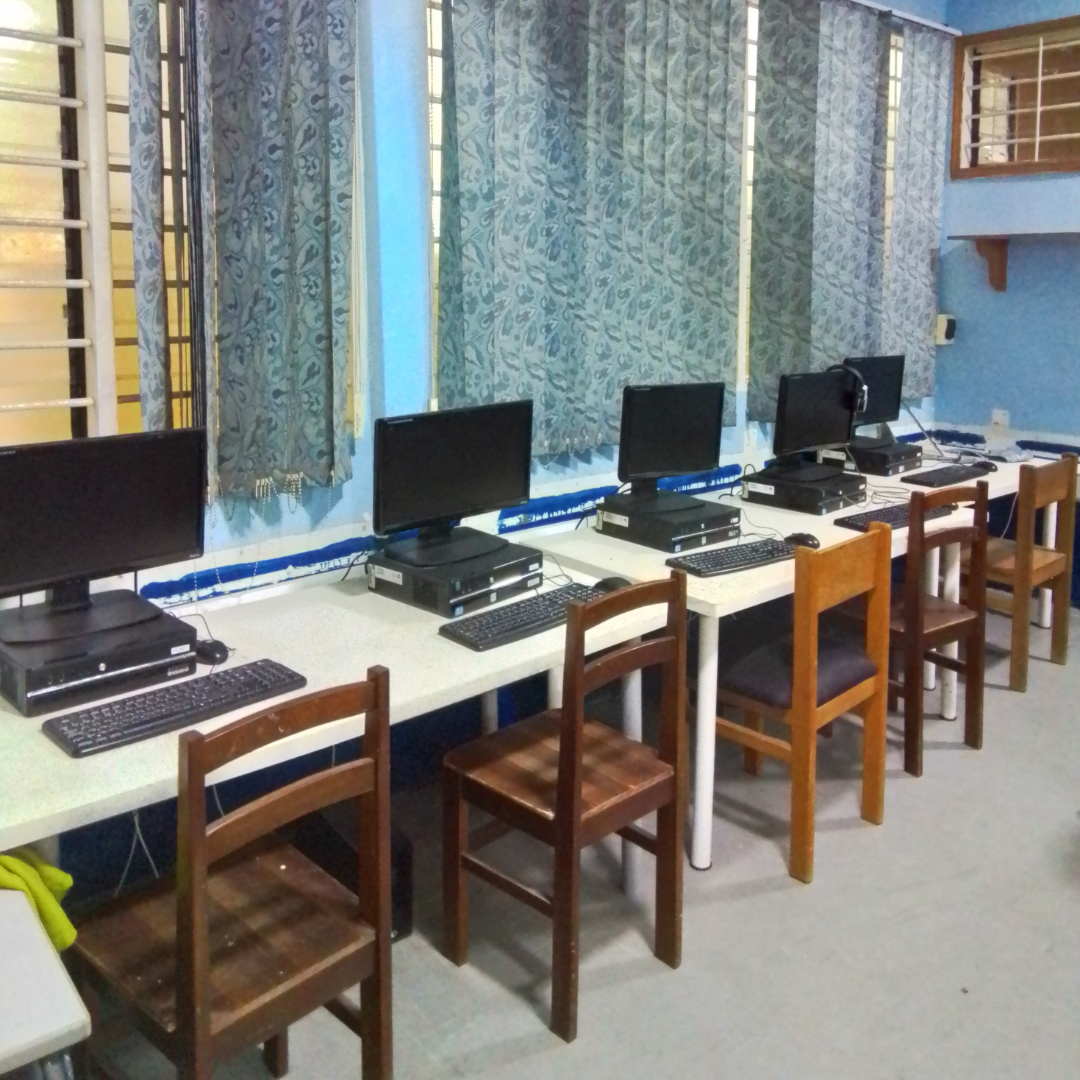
808,679
569,782
252,936
1022,565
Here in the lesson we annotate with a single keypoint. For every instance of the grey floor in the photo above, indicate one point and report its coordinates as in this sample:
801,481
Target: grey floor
943,944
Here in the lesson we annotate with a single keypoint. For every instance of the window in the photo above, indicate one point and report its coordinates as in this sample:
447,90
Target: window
1016,106
742,370
896,75
435,116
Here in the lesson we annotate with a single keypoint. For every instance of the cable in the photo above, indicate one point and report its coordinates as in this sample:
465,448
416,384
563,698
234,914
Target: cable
136,840
361,558
933,442
567,579
217,801
1012,510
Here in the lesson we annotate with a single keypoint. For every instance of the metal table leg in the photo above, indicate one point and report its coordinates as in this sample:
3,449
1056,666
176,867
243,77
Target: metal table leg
705,751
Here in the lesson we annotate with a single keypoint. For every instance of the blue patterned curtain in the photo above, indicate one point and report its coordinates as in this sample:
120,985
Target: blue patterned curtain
911,292
282,120
591,194
818,245
148,210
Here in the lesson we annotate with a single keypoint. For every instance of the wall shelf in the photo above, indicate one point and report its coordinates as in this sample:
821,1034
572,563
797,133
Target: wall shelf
994,248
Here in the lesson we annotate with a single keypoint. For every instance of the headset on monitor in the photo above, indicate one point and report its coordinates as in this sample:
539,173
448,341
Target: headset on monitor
862,395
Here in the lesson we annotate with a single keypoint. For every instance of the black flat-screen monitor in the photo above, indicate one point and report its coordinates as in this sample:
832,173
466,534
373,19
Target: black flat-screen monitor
91,508
884,379
433,469
670,430
814,411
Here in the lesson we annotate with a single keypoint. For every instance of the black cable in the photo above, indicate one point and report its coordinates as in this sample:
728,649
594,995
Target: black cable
361,558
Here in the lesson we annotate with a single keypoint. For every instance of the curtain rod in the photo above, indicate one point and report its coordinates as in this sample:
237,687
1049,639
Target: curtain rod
908,18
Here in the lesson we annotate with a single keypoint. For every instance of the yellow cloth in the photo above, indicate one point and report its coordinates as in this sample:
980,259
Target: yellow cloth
45,886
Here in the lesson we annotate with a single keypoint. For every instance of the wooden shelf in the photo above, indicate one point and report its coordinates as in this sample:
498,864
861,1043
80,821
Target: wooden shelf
994,248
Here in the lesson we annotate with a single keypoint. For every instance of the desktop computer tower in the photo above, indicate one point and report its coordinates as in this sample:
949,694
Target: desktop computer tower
461,587
877,458
821,491
677,524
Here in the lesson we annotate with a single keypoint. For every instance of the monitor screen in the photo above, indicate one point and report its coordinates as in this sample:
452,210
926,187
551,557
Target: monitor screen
884,378
443,466
814,411
670,430
91,508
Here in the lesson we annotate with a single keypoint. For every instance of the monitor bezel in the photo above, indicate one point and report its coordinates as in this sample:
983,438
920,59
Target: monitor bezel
781,417
381,528
902,357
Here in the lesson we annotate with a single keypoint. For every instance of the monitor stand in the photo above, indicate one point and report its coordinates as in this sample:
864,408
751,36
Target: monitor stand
795,469
881,440
441,545
645,497
71,611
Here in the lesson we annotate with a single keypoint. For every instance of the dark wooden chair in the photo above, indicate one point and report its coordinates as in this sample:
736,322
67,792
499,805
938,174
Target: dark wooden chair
1023,565
808,679
252,936
570,781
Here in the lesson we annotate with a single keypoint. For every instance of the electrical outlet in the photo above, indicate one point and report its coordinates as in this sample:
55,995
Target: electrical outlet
999,417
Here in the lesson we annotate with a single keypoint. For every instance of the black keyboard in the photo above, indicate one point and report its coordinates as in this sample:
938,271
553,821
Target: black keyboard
949,475
730,559
895,516
178,705
521,619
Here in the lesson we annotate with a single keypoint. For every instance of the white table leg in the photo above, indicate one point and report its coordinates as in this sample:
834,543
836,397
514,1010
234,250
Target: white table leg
931,569
489,712
705,751
1049,539
632,729
950,569
555,681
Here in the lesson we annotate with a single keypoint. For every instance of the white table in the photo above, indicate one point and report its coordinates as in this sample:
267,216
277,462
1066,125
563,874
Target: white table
330,633
40,1009
590,552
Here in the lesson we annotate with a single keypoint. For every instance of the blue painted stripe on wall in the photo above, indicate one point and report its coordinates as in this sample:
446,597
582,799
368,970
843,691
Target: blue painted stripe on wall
1036,446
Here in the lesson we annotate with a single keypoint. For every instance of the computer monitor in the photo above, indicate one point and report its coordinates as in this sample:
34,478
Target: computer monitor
814,411
82,509
669,431
433,469
884,380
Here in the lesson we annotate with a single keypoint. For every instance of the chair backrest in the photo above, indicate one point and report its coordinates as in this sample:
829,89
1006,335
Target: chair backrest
920,543
668,651
832,576
1041,486
199,846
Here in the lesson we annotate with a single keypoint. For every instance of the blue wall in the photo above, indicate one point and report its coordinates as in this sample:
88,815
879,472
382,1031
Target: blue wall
1018,350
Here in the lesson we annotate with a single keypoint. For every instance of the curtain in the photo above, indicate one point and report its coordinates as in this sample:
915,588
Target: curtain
282,126
818,242
911,291
148,210
591,195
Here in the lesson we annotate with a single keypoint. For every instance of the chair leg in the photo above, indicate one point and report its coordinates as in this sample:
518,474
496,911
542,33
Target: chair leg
894,674
974,691
752,758
566,920
455,887
669,884
873,780
1021,636
376,1031
913,712
276,1054
1059,633
803,778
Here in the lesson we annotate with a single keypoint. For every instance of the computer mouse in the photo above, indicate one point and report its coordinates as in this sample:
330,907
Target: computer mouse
610,584
803,540
211,651
989,466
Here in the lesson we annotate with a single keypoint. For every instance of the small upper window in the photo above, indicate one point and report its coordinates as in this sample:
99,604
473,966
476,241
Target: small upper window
1016,106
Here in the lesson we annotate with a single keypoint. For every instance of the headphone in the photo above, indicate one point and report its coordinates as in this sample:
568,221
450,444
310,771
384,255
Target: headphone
862,395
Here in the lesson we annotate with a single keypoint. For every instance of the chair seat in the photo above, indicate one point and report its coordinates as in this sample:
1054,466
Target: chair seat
273,914
941,617
520,763
765,674
1046,563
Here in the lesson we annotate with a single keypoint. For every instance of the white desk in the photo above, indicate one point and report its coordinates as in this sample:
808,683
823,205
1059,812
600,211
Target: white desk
40,1009
590,552
330,633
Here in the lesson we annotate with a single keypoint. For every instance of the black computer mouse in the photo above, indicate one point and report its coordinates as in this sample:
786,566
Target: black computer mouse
610,584
803,540
211,651
986,464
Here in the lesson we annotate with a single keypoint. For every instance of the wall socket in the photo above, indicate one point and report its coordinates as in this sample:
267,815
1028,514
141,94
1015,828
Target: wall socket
999,417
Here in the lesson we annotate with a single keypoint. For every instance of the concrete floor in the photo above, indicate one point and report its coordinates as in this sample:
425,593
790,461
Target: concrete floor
943,944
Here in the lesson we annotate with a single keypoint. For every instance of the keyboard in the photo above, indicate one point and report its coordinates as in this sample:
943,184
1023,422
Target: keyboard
178,705
730,559
949,475
894,516
521,619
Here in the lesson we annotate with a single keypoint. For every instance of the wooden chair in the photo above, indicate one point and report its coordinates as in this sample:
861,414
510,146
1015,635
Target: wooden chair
808,679
569,782
1023,565
253,936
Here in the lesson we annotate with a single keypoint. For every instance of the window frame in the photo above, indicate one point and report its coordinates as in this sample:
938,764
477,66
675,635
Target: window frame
1017,168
